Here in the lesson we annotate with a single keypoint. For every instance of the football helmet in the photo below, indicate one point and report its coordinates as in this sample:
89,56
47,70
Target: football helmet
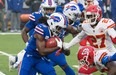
56,22
86,55
72,11
93,13
48,7
89,2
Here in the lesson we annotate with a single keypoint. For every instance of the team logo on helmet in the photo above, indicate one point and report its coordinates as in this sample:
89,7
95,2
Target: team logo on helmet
55,18
71,8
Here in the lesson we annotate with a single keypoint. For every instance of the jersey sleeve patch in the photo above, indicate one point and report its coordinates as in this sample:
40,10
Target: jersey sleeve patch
39,30
32,17
103,54
111,26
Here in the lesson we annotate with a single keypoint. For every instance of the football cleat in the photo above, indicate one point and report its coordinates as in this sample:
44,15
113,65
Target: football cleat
12,60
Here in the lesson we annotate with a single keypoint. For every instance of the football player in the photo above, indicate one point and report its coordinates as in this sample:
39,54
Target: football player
36,49
46,9
99,31
102,59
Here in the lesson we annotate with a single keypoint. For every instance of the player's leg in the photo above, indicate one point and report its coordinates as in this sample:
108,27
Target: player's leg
26,65
61,61
15,60
45,67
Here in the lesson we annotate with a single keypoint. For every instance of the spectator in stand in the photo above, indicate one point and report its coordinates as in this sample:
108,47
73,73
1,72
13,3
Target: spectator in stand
2,14
29,6
107,8
7,17
16,9
113,9
34,4
26,10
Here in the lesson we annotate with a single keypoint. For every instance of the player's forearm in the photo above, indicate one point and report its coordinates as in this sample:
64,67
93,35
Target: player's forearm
74,41
24,37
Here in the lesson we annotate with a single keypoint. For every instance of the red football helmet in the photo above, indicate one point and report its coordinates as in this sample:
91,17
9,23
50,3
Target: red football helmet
86,55
93,13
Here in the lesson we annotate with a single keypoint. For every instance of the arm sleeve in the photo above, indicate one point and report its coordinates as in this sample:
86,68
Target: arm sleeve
112,32
76,39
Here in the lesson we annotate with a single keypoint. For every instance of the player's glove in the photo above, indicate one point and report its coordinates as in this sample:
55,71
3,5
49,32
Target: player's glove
105,60
65,46
59,42
108,8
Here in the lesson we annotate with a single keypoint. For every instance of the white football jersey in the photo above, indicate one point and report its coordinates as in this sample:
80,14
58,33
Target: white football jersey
98,57
100,35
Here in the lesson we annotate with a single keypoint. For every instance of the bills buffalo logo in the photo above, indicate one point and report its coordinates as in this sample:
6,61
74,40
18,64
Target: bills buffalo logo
55,18
72,8
49,2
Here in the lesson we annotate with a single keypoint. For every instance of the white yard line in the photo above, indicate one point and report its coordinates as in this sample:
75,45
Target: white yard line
1,73
6,54
9,33
76,66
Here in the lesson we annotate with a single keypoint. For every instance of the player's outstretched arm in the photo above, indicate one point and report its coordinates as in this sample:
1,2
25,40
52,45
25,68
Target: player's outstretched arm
75,40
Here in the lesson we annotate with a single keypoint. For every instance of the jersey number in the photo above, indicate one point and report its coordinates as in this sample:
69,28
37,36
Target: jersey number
97,41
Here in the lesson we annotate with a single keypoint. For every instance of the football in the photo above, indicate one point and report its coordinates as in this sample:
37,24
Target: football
51,42
24,17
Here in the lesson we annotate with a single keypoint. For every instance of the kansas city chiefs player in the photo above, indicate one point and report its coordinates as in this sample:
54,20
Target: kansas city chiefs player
89,56
99,31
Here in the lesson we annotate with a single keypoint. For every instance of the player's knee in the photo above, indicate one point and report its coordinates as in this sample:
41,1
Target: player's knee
64,66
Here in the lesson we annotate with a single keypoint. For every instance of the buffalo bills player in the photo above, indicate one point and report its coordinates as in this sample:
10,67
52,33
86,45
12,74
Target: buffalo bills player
36,50
47,7
44,11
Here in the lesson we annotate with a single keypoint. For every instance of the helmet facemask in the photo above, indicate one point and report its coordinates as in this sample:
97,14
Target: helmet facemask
91,17
48,7
55,29
48,11
56,22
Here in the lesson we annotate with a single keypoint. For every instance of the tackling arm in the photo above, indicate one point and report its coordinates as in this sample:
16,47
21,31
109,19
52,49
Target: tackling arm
24,34
75,40
112,34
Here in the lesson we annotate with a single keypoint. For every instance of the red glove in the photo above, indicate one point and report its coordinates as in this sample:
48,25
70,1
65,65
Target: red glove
58,52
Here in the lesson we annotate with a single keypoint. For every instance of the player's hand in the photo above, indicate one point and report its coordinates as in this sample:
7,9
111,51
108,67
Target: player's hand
65,46
58,52
59,42
105,60
108,8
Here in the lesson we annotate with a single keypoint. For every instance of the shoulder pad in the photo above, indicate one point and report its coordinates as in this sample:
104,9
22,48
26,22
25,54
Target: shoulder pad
108,22
35,16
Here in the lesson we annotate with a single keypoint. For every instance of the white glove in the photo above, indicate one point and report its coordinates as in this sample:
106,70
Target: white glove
65,46
27,43
59,42
108,8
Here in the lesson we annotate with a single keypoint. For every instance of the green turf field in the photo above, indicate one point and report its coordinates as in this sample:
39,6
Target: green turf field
12,44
